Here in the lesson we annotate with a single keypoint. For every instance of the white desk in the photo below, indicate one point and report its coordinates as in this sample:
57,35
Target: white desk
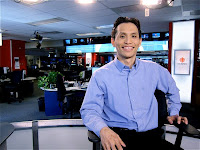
29,78
25,79
5,80
67,89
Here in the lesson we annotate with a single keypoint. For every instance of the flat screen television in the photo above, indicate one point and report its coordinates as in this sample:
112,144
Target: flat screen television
74,41
67,41
155,35
145,36
167,35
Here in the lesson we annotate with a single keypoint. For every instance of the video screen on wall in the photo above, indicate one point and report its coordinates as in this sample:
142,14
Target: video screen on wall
102,48
155,35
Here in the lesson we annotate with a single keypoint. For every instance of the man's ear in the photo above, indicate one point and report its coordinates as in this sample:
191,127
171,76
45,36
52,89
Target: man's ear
113,42
140,41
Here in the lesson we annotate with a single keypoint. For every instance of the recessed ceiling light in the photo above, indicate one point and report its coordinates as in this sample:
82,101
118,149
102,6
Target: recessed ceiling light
30,2
47,21
85,1
150,2
105,26
87,34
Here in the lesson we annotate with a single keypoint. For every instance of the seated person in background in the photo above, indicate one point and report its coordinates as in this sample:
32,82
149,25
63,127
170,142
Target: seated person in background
119,105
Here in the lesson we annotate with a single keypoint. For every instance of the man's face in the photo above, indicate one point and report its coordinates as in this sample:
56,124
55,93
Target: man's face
126,41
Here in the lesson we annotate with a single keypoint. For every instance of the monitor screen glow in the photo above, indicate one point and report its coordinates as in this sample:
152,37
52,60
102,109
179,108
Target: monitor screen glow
155,35
67,42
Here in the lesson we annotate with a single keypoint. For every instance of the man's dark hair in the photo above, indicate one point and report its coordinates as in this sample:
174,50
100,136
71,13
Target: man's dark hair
125,20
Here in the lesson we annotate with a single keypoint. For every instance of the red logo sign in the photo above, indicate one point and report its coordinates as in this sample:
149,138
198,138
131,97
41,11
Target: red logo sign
182,59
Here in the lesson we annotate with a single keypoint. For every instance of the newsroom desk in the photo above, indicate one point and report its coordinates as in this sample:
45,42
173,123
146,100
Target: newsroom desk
28,86
52,105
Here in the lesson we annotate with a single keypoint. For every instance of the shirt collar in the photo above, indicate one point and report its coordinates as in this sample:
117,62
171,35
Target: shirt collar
120,66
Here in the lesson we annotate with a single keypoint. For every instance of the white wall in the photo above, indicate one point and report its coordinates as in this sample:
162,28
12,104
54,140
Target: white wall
183,39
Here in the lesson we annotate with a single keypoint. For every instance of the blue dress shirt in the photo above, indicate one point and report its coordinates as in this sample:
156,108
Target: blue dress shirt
118,96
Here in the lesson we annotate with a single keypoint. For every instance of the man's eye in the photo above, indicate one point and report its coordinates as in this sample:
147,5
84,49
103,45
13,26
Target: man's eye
122,36
134,36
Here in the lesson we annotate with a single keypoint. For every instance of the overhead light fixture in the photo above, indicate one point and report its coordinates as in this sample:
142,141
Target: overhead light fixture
30,2
2,30
151,2
87,34
85,1
156,3
105,26
47,21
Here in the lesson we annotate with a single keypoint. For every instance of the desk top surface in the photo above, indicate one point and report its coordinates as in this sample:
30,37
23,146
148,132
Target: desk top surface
25,79
67,89
29,78
6,129
5,80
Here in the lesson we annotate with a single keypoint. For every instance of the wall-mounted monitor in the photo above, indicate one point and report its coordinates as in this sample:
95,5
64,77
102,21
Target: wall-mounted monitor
82,41
145,36
68,41
155,35
74,41
167,34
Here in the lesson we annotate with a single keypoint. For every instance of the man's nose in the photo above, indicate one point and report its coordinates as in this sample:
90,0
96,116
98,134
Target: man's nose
128,40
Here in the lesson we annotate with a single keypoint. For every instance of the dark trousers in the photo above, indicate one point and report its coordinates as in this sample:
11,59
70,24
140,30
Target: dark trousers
143,140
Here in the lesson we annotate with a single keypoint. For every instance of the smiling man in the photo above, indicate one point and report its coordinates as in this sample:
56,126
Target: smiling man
119,105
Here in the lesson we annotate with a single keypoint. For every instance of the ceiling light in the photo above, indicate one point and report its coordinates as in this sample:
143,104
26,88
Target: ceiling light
2,30
151,2
30,2
87,34
105,26
156,4
85,1
47,21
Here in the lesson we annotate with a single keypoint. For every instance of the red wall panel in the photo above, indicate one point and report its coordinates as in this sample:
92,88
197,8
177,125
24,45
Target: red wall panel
5,54
18,50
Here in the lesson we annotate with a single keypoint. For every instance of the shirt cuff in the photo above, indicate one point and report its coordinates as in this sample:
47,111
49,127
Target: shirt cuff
173,113
98,128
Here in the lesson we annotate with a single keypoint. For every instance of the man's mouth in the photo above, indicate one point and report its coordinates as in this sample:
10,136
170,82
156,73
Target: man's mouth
127,48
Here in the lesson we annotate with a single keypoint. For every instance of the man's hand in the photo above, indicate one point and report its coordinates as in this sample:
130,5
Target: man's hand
179,119
110,140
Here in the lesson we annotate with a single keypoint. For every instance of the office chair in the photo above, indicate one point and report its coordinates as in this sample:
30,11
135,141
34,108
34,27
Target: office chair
70,101
14,88
162,115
